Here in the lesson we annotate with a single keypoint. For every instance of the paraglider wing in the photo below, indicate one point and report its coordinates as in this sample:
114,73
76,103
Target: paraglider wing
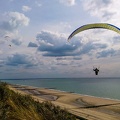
95,25
6,36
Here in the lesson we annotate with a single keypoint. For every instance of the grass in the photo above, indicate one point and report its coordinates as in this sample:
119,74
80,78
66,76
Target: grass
14,106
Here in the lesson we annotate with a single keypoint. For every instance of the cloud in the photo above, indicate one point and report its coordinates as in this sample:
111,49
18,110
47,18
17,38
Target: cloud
106,10
89,46
54,44
20,60
77,58
61,58
38,3
16,41
2,63
68,2
15,21
31,44
10,27
116,40
106,53
18,19
26,8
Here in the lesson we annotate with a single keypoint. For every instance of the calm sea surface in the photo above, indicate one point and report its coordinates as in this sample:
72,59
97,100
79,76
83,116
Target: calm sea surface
100,87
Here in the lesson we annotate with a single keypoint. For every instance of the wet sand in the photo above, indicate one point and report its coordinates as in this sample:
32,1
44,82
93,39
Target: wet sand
88,107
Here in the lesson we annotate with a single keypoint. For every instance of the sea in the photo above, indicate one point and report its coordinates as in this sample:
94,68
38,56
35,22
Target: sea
99,87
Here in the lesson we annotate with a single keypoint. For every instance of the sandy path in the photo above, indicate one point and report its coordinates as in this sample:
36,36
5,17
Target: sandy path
91,108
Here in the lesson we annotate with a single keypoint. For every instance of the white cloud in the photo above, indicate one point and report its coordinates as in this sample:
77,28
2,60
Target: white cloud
26,8
14,21
18,19
38,4
58,27
11,25
105,10
68,2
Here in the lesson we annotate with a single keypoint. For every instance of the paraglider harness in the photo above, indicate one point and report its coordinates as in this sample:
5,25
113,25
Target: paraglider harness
96,70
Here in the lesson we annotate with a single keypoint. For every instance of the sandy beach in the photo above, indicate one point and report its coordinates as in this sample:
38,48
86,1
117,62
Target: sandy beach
88,107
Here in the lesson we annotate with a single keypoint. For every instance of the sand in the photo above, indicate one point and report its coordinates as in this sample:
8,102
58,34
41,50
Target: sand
88,107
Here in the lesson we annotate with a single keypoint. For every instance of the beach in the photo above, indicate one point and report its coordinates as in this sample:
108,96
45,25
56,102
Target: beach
88,107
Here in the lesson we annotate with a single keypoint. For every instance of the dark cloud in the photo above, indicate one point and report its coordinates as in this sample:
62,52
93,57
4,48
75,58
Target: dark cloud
77,58
53,44
31,44
88,47
61,58
106,53
16,42
6,26
20,59
67,58
64,50
2,63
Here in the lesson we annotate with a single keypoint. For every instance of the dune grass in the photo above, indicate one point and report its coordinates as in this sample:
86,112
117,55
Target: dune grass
14,106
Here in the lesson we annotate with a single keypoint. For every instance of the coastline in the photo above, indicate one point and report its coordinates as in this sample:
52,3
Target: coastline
99,87
88,107
107,98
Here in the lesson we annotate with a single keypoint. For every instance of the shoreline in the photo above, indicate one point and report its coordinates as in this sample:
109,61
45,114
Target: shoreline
103,88
66,92
88,107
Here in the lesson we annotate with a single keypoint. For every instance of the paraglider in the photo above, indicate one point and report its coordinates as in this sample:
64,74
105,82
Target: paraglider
96,71
10,45
7,38
93,26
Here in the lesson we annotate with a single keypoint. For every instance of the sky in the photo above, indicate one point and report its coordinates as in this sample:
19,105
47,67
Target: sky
33,39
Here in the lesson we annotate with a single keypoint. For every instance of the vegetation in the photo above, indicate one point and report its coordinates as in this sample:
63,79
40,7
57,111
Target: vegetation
14,106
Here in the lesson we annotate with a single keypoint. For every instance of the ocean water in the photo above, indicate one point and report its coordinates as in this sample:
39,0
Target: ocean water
99,87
